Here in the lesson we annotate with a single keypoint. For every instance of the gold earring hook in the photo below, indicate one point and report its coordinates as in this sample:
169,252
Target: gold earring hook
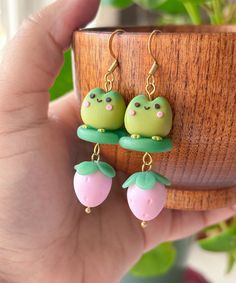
109,76
110,42
150,44
150,82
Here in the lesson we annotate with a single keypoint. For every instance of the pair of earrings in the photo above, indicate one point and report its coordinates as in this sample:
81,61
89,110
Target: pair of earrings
141,126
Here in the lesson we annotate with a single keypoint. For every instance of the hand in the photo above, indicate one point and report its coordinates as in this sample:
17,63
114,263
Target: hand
45,236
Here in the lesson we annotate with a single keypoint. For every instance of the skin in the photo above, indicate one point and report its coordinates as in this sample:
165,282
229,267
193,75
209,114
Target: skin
45,236
99,113
141,117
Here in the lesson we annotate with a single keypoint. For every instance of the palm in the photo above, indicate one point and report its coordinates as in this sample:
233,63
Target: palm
53,218
55,221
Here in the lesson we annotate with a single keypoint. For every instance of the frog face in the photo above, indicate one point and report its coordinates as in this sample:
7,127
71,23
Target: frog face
103,110
148,118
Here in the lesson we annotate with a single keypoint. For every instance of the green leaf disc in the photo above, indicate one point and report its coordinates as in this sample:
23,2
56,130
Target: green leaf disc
146,144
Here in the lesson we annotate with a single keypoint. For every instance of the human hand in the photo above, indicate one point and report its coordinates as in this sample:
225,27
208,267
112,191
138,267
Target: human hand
45,236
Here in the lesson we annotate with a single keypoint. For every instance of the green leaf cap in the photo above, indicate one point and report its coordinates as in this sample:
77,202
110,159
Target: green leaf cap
146,180
90,167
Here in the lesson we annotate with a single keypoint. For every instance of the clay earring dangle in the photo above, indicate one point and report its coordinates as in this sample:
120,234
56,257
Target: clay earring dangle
148,120
102,113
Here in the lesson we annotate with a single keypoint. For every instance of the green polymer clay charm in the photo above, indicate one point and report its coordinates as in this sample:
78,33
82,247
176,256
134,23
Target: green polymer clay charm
148,122
103,116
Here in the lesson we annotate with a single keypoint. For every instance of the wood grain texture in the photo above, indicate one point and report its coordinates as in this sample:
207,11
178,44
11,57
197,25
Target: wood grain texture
197,74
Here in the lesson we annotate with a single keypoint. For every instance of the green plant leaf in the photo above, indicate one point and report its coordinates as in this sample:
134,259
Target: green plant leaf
146,180
155,262
194,1
161,179
86,167
64,81
193,9
222,242
118,3
172,7
106,169
149,4
130,181
231,261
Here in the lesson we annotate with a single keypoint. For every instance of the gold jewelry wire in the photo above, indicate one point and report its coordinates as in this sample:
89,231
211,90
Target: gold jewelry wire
147,166
109,76
150,81
96,153
147,162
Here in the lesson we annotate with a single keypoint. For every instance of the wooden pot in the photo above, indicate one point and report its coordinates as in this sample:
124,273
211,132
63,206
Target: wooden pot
197,73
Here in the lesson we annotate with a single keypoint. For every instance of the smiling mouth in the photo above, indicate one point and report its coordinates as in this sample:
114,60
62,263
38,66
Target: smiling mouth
146,107
99,100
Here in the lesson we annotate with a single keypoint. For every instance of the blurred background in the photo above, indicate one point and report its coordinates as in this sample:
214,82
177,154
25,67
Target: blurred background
12,13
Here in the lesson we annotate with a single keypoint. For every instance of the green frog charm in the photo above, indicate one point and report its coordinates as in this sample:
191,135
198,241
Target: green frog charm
147,118
103,116
148,122
103,110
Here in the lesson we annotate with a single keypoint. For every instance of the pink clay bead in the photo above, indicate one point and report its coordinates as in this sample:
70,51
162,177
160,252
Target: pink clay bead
93,189
146,204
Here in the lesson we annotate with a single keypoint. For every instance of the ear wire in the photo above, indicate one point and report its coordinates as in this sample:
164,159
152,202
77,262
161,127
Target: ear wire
109,76
150,81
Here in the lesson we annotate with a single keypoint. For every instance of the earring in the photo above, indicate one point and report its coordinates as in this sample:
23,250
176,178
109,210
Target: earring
148,120
102,113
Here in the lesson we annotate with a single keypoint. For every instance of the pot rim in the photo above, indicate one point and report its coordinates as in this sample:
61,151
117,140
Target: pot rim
165,30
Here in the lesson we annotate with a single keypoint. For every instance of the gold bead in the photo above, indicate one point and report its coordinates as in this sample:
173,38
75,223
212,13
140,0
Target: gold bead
88,210
143,224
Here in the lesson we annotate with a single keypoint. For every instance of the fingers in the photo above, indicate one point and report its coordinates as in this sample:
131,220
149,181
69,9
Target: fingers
67,110
34,57
172,225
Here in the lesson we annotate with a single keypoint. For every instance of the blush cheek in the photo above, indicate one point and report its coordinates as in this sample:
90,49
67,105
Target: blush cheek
86,104
132,112
160,114
109,107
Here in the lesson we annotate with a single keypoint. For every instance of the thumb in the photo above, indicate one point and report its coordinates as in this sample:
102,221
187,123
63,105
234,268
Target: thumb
34,57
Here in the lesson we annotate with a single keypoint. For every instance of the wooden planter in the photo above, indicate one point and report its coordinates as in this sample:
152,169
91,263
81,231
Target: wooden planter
197,74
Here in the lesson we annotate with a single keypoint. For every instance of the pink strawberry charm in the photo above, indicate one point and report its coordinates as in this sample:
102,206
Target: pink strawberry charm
92,182
146,194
